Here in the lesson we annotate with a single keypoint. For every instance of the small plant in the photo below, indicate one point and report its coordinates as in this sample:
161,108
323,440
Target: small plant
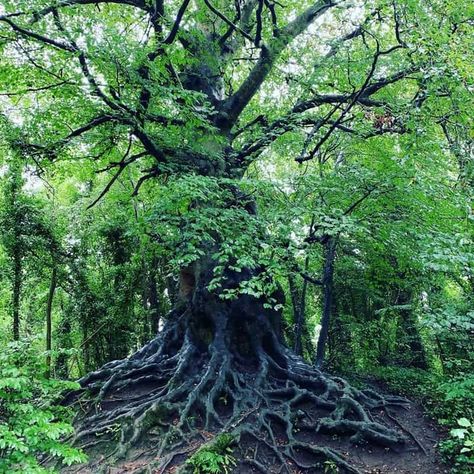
32,427
214,457
465,437
330,467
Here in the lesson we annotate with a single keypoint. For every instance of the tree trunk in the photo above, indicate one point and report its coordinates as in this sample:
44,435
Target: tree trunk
410,332
49,311
328,286
219,365
300,316
17,281
154,310
295,303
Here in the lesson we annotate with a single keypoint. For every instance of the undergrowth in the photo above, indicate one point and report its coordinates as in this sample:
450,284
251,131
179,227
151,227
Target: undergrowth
32,426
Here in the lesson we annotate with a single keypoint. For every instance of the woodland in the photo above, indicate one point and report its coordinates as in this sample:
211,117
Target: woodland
237,236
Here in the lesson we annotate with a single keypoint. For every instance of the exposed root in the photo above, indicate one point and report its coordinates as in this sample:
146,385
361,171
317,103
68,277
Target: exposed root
404,428
173,390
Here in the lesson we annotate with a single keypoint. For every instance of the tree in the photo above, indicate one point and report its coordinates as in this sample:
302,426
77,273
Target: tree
195,93
27,236
13,218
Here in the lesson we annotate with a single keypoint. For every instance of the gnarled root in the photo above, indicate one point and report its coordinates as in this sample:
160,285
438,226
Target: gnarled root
175,391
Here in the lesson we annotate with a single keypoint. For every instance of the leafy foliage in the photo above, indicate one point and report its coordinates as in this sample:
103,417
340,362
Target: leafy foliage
32,426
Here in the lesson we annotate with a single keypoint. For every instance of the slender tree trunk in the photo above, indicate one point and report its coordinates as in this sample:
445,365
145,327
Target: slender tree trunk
328,285
300,314
154,313
295,302
17,268
64,331
49,311
300,308
411,332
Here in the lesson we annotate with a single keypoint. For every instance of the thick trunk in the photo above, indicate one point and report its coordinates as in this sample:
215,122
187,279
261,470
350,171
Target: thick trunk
239,324
328,286
219,366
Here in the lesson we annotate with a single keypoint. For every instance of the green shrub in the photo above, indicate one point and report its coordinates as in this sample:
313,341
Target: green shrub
214,457
459,448
32,427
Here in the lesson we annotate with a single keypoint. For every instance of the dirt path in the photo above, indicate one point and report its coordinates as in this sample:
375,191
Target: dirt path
419,456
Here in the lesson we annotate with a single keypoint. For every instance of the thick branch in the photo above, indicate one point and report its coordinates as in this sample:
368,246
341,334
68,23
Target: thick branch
268,56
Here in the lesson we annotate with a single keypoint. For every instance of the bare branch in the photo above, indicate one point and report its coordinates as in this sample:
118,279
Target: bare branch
38,89
145,177
174,30
226,20
359,201
89,126
258,30
347,109
68,3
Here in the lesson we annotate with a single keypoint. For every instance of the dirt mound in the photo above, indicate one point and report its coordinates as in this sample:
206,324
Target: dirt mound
417,456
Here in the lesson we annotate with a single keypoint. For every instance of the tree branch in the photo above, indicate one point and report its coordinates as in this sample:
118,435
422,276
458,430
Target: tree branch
121,166
179,16
68,3
42,39
235,104
226,20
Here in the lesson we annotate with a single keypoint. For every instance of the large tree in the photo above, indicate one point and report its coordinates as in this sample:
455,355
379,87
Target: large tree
190,94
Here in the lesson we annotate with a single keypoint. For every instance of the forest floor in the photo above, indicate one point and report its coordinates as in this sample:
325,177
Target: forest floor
419,455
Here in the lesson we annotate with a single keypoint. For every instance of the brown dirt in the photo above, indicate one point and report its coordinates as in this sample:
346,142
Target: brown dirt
369,459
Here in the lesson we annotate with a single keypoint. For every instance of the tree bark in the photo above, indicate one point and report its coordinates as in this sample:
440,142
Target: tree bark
295,303
300,316
411,333
218,365
154,313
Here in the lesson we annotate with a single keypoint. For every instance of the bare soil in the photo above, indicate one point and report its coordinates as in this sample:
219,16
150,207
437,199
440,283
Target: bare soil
418,456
